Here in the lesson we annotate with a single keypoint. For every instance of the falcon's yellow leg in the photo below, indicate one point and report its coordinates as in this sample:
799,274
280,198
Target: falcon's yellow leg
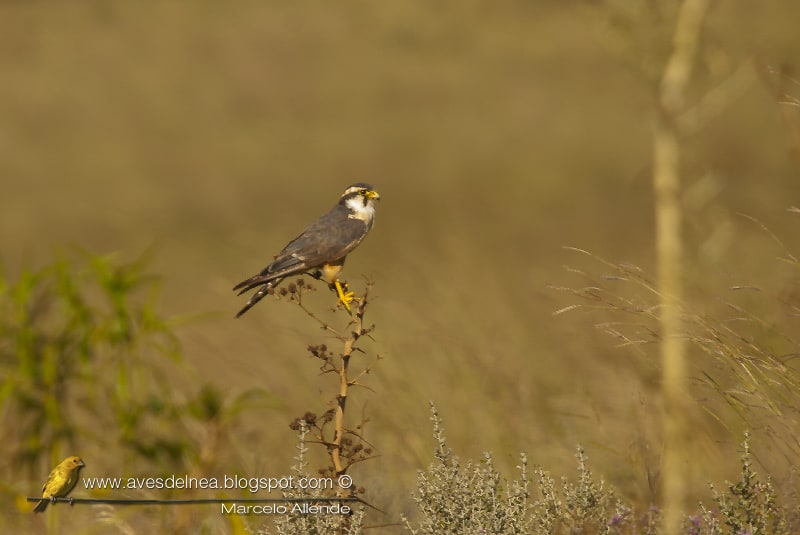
345,296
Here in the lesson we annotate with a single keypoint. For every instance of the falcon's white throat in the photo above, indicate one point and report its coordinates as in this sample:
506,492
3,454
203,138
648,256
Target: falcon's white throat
364,212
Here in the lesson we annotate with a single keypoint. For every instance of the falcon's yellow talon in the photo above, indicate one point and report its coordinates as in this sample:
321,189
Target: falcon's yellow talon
345,297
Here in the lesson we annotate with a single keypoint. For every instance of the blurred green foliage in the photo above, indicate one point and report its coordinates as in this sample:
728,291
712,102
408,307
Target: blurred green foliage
88,364
80,360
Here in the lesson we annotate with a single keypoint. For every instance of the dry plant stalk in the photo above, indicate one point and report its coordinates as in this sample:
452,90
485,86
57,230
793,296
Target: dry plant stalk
345,383
669,250
345,446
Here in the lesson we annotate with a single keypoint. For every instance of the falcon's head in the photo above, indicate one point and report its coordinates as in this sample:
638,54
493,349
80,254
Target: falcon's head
360,201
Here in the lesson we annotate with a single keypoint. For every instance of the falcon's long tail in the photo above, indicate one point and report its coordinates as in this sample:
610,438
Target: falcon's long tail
251,283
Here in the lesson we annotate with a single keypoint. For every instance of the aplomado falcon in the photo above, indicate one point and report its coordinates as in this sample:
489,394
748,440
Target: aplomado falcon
321,249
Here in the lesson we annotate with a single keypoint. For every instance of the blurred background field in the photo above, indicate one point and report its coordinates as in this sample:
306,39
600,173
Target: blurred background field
497,134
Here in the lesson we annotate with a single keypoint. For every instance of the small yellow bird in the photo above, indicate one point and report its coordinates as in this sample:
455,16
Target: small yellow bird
60,481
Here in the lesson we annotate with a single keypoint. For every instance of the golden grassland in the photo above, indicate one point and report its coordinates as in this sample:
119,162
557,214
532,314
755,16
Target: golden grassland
496,132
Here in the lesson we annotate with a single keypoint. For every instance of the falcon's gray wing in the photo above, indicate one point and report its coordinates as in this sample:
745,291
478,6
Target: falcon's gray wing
330,238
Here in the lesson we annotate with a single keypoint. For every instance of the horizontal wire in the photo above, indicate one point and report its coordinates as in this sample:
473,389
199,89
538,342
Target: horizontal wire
190,501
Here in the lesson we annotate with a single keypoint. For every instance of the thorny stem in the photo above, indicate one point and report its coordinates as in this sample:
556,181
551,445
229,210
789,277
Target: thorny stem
344,384
341,450
326,326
